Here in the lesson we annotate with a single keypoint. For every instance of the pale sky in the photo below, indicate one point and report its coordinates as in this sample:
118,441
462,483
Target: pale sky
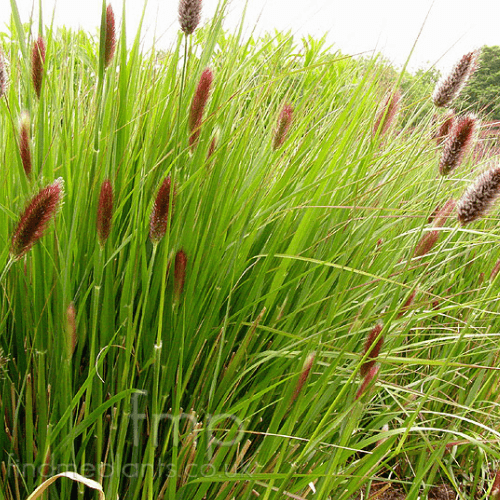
452,28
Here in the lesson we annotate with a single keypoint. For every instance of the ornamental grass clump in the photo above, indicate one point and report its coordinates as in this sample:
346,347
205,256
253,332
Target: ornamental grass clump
458,143
104,212
388,113
189,15
162,211
110,42
37,64
25,143
449,87
479,197
284,123
198,105
35,219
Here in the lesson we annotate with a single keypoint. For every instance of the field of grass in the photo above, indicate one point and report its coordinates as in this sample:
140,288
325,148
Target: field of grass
214,344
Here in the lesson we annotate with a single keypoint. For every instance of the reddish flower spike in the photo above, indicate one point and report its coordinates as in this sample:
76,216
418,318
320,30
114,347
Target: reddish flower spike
284,123
387,114
179,274
3,75
35,219
198,104
37,63
24,144
370,376
110,42
104,212
373,345
160,215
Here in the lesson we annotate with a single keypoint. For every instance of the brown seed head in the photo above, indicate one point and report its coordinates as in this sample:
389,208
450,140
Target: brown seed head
445,127
495,489
4,79
37,63
458,143
479,197
25,143
163,206
198,104
373,345
179,274
495,270
284,122
407,304
110,43
426,243
71,329
388,112
370,376
444,212
104,212
189,15
304,374
36,218
450,86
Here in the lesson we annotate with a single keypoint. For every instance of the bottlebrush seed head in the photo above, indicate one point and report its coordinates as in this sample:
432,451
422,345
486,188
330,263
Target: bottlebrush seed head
480,196
458,144
37,63
284,123
189,15
441,215
370,376
407,304
35,219
179,274
424,246
445,127
4,79
495,489
388,112
495,270
110,42
304,374
24,143
71,329
198,104
451,85
373,344
163,205
104,212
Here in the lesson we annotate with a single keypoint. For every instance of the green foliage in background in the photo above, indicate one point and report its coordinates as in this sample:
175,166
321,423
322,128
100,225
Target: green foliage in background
249,385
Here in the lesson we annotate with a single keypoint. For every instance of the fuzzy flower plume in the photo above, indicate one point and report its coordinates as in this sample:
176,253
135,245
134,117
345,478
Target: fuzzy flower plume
160,216
445,127
304,374
104,212
37,63
4,79
179,274
71,329
110,42
451,85
479,197
373,345
35,219
444,212
284,122
198,104
25,143
189,15
388,112
458,143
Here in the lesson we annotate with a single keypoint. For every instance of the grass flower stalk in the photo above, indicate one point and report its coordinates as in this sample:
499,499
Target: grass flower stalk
110,43
284,123
479,197
189,15
449,87
162,211
198,105
4,79
304,374
373,344
445,127
388,113
104,212
458,144
179,274
35,219
37,64
71,329
25,144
